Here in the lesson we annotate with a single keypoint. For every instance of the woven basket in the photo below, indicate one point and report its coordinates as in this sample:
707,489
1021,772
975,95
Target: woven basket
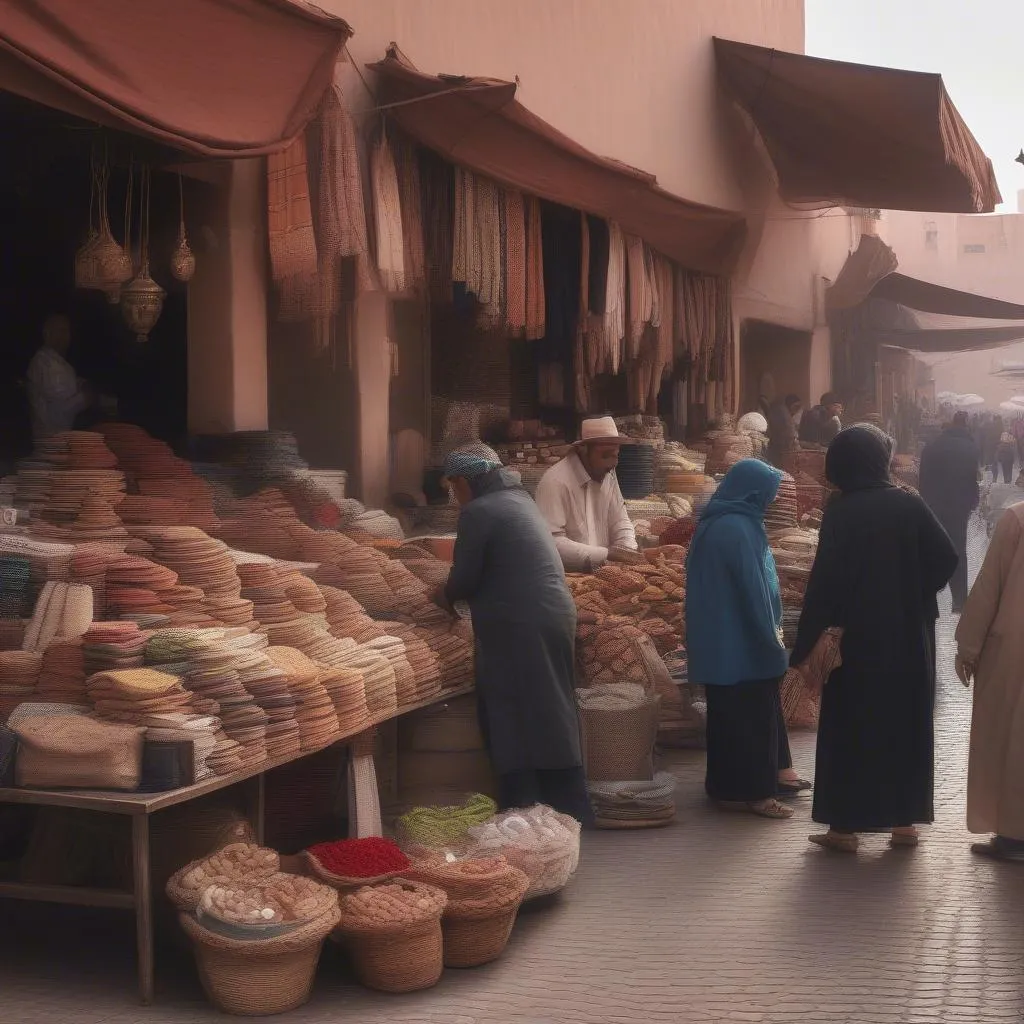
258,977
187,898
472,941
340,882
402,957
618,745
481,910
800,706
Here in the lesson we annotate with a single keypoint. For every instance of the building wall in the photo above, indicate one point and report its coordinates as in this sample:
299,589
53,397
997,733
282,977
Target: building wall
633,80
981,254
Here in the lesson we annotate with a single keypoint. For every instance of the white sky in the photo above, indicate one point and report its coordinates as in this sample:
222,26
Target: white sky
976,45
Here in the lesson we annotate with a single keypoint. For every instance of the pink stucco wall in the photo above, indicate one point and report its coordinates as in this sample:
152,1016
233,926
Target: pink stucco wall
633,80
980,254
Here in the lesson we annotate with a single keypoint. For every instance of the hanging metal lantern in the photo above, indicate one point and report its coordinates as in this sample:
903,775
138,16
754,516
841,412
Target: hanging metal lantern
183,260
142,299
142,302
87,273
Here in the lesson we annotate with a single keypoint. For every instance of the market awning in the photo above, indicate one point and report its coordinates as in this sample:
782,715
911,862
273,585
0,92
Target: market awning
479,124
856,135
871,262
936,298
223,78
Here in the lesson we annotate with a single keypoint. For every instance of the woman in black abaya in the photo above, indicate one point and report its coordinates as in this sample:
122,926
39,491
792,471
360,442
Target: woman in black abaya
882,559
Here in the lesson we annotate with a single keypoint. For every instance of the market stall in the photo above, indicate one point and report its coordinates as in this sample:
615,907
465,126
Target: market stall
166,638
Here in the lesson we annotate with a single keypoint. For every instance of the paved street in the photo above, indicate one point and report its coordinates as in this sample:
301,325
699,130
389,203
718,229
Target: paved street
719,918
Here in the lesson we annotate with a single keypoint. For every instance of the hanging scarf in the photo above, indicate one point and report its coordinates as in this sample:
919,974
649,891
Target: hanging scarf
387,210
515,262
615,299
535,309
641,298
289,215
408,171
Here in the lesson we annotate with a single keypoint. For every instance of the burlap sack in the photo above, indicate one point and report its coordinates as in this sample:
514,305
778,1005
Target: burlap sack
76,752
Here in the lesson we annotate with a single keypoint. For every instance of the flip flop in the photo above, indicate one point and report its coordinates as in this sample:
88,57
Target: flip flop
904,839
835,841
794,787
770,808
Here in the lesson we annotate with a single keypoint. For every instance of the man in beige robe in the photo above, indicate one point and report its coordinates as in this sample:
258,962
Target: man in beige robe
990,652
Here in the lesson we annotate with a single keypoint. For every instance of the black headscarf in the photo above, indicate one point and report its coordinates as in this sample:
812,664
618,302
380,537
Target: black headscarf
858,458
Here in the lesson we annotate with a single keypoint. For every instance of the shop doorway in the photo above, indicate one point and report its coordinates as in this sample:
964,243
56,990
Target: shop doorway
45,195
776,359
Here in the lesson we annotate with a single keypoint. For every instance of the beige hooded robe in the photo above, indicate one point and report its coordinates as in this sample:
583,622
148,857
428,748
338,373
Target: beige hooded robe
990,636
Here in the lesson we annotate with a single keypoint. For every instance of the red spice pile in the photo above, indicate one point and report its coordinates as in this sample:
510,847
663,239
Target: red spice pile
360,858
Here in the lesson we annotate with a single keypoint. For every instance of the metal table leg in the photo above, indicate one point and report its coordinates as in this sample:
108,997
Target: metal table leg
143,905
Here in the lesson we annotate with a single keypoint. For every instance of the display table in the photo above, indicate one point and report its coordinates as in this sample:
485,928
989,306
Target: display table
139,806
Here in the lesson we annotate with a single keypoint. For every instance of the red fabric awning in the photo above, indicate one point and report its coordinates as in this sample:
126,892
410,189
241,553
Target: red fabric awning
223,78
478,124
851,134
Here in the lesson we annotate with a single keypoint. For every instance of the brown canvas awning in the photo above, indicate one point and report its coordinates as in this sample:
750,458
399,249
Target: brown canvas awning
856,135
479,124
225,78
868,264
935,298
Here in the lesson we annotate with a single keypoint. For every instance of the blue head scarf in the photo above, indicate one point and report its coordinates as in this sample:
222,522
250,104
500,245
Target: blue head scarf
471,462
733,603
747,490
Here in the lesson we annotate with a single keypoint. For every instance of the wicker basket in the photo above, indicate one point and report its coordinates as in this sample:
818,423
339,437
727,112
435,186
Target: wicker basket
403,957
618,745
258,977
472,941
187,897
341,882
482,906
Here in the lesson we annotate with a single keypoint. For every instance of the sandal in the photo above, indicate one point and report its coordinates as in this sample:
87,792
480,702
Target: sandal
905,838
841,842
770,808
793,787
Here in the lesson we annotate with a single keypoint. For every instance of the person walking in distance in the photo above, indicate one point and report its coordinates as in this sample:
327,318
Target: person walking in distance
949,486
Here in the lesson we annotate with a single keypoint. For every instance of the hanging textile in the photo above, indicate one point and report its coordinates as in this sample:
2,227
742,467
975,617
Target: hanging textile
437,191
581,374
408,172
535,303
486,276
515,262
387,216
665,276
339,222
641,298
615,299
289,216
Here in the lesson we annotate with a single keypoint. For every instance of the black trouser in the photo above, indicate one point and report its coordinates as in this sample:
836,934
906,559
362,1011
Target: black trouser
1006,461
747,742
564,789
956,527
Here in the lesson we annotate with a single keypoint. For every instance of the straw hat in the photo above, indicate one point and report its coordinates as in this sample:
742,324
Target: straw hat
600,430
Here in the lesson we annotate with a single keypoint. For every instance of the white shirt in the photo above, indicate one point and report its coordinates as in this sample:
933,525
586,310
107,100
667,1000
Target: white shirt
54,393
586,518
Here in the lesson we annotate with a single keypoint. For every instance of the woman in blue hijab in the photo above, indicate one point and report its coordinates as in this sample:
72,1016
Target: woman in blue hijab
734,644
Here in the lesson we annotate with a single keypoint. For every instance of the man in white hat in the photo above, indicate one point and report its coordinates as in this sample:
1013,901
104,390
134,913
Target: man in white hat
582,503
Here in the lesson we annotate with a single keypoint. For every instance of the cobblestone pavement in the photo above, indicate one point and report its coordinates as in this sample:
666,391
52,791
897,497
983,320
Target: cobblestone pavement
718,918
